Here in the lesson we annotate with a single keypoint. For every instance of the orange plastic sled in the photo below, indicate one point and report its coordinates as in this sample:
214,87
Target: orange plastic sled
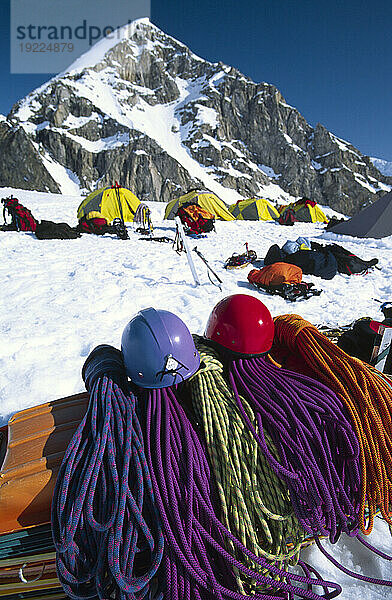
37,440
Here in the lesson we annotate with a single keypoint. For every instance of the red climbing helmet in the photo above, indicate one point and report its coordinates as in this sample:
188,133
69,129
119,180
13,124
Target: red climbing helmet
242,324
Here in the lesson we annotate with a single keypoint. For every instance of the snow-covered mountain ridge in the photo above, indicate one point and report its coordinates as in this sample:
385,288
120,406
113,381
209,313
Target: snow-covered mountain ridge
384,166
142,109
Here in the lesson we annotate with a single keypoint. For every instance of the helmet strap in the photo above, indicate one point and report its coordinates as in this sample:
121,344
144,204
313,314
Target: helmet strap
172,367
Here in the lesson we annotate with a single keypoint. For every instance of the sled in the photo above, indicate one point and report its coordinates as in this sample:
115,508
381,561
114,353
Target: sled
25,544
37,440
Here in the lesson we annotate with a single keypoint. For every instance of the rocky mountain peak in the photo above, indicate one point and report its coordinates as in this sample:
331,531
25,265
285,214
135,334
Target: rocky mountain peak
142,109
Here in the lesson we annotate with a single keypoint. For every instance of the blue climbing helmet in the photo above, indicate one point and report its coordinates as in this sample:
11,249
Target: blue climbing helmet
158,349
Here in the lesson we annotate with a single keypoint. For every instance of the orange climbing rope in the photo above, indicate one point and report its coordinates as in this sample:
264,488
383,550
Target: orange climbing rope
367,396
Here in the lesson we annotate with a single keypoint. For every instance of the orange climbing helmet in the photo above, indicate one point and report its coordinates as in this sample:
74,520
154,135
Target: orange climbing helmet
242,324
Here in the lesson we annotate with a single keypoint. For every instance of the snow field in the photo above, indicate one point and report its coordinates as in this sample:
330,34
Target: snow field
61,298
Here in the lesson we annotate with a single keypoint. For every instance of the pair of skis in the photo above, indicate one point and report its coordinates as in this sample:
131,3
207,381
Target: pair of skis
181,243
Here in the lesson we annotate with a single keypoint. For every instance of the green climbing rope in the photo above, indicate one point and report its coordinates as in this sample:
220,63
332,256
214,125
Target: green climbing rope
255,503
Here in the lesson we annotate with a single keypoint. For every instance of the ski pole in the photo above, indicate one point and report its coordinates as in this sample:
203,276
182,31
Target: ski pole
210,269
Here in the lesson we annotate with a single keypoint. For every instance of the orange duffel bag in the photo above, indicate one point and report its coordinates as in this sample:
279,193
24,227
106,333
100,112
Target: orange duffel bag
282,279
276,274
37,440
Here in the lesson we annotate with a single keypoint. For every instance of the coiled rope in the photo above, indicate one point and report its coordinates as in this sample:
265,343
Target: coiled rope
197,564
105,526
339,492
368,399
315,442
255,503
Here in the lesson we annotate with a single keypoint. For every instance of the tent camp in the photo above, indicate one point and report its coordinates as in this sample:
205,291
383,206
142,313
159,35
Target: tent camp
374,221
205,199
305,211
254,209
110,202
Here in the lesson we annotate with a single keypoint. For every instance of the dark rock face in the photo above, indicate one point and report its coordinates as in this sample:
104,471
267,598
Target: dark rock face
158,119
21,164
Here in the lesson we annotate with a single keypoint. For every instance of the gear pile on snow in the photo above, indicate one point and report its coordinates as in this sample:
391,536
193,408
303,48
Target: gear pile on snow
21,217
197,467
283,280
195,219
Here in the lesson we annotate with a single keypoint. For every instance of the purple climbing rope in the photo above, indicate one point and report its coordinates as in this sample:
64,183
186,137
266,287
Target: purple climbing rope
317,446
316,443
197,564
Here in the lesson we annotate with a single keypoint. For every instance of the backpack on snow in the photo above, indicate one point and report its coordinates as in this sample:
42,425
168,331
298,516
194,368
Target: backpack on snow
21,217
196,219
282,279
48,230
359,340
287,217
276,274
100,226
314,262
347,262
96,225
274,255
363,339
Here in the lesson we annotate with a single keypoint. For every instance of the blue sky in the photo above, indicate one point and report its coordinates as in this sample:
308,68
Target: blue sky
331,60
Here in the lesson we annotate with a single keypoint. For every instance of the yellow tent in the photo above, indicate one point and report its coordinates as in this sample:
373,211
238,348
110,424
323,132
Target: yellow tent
305,211
204,199
254,209
111,203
